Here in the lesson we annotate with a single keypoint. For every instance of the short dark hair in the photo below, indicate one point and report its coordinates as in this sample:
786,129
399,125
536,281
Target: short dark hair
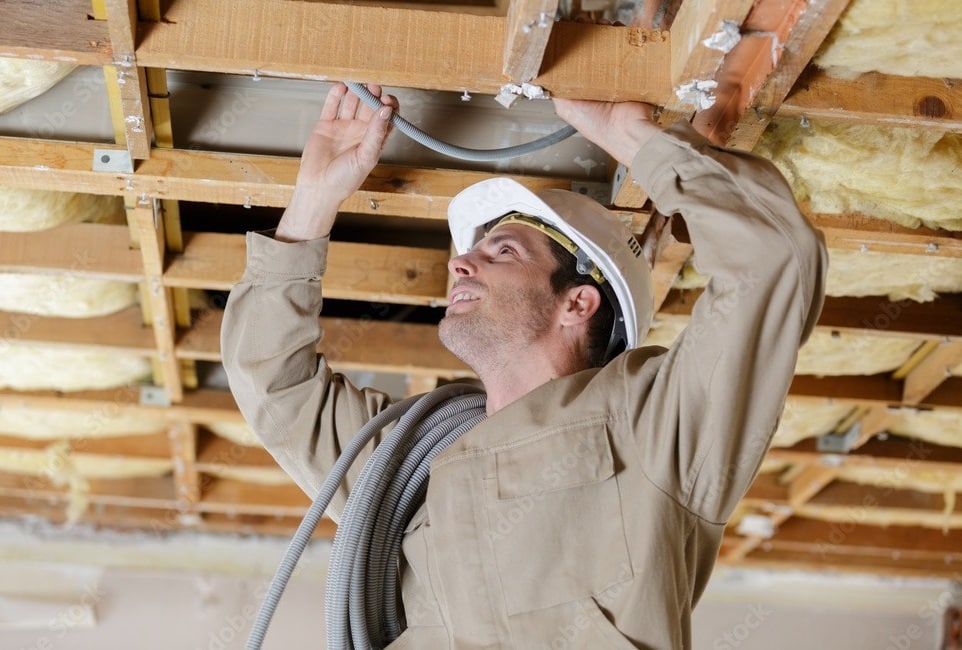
565,276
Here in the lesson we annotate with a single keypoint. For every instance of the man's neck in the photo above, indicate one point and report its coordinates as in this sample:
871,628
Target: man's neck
507,380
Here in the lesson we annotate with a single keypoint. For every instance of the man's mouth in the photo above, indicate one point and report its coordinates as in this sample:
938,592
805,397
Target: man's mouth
462,297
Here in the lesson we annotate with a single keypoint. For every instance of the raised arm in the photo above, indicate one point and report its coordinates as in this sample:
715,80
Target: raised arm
302,412
706,423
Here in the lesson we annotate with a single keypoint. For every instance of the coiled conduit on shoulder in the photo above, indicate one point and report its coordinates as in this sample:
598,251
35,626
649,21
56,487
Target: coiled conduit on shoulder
360,603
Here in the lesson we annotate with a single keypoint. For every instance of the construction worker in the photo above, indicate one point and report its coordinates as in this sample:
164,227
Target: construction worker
587,509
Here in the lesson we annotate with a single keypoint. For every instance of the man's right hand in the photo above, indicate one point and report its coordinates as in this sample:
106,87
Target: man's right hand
343,148
620,128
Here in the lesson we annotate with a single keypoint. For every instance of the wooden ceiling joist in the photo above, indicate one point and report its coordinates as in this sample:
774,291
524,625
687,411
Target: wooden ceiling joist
932,371
526,32
27,33
438,50
793,41
130,78
873,98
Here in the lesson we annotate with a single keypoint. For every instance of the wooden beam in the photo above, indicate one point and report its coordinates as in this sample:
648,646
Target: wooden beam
131,79
793,51
439,51
127,333
148,221
183,448
241,179
86,250
874,315
747,68
237,179
200,406
527,29
771,556
873,98
863,539
931,372
26,31
399,274
806,484
350,344
891,454
702,34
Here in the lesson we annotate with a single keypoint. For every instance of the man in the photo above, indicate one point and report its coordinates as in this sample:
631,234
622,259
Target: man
587,510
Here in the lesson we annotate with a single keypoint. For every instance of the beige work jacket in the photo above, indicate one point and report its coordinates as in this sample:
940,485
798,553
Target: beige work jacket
589,513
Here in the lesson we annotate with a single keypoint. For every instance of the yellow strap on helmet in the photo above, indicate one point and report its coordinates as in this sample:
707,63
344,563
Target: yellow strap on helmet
556,235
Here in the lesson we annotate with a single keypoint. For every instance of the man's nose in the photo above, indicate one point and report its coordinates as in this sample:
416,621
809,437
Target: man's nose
462,266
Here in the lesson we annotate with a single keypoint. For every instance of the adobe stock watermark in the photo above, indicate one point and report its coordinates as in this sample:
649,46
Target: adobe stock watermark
68,618
859,513
234,627
569,634
552,475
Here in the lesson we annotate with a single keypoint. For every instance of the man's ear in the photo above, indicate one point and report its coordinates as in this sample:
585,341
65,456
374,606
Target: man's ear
580,304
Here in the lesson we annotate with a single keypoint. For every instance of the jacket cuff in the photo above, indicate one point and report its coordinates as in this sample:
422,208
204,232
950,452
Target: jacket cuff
268,257
655,160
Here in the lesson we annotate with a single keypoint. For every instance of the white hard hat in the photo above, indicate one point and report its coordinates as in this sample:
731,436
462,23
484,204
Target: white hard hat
604,242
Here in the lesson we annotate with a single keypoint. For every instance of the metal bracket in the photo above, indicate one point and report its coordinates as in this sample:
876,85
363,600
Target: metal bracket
839,442
154,396
113,160
756,526
600,192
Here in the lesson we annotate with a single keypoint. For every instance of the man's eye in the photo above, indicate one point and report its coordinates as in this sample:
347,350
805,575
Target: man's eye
506,249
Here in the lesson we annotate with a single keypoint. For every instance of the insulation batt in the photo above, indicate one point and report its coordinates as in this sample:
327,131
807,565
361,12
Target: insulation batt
826,353
912,38
907,176
28,366
23,210
21,79
801,420
854,273
938,427
64,295
55,424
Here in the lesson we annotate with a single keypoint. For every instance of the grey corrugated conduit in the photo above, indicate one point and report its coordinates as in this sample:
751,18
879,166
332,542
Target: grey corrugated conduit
360,602
454,151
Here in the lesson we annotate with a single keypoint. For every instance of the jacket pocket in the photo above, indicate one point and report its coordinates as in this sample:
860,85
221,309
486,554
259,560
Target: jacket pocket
555,519
579,625
420,602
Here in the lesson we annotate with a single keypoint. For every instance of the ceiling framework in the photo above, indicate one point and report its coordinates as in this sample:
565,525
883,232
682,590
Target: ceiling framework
812,506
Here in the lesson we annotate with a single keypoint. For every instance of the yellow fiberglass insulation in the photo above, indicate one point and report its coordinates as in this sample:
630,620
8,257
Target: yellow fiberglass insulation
23,210
898,277
911,38
801,420
854,273
56,424
68,296
908,176
828,353
29,366
23,79
943,427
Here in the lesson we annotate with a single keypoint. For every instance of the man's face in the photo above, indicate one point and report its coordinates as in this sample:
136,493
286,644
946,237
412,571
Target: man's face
501,296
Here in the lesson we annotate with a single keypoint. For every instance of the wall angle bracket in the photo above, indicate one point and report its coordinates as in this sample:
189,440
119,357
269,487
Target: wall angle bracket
839,443
154,396
600,192
113,160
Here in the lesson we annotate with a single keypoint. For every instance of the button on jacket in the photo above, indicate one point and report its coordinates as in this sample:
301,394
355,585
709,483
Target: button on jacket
588,513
